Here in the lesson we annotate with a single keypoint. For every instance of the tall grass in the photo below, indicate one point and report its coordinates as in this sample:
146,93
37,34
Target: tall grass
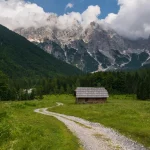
21,128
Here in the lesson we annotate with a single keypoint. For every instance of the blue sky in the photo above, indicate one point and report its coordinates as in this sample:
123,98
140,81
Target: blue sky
58,6
129,19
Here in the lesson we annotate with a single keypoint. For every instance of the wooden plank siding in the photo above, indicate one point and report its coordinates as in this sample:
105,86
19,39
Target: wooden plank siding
91,95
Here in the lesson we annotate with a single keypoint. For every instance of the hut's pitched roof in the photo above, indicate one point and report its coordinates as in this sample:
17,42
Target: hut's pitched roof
89,92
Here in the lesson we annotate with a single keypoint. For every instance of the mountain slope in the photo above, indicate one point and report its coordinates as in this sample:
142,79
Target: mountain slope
91,49
20,58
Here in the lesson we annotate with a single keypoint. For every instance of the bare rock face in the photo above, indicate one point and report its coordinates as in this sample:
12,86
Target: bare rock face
91,49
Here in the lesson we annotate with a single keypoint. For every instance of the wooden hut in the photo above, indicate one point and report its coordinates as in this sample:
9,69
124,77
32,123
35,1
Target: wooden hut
91,95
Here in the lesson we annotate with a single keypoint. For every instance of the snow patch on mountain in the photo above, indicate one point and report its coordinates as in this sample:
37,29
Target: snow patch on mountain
90,49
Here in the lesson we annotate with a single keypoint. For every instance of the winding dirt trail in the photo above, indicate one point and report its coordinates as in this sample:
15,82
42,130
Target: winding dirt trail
93,136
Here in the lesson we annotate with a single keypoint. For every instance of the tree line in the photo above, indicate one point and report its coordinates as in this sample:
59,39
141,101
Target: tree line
116,82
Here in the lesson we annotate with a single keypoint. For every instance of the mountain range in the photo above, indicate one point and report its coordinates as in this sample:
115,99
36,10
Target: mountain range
91,49
20,58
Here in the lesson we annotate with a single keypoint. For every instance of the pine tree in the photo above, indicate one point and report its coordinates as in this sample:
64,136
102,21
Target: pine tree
77,83
3,86
32,95
61,91
68,90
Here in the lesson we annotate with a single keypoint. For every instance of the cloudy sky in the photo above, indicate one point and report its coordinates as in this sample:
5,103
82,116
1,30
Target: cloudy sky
129,18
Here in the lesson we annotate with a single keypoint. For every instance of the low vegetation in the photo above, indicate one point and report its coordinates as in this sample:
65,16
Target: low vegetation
124,113
21,128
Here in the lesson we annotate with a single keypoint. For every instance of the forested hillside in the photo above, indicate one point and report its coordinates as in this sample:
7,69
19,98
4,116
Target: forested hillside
26,72
135,82
19,58
121,82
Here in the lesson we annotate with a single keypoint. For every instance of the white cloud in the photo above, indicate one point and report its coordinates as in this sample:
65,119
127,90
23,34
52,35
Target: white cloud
90,15
69,5
18,13
132,20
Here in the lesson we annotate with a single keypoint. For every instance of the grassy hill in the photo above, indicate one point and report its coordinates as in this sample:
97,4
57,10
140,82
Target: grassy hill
20,58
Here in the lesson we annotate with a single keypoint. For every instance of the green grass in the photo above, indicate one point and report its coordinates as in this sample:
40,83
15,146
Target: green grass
121,112
22,129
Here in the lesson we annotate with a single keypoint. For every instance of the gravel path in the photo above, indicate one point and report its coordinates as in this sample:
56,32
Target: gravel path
94,136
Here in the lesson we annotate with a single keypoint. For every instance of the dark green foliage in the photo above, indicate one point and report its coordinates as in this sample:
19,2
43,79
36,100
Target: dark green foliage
143,88
4,89
10,90
136,82
19,58
26,67
23,65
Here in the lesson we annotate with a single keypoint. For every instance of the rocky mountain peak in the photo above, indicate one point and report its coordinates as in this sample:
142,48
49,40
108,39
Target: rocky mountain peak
92,48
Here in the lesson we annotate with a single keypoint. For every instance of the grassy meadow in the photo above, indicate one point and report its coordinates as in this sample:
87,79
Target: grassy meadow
22,129
123,113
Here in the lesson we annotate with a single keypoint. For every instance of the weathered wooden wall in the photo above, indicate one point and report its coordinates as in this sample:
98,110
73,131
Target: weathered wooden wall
91,100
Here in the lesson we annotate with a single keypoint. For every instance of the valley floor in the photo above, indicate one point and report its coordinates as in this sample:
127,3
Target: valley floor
124,113
94,136
22,128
